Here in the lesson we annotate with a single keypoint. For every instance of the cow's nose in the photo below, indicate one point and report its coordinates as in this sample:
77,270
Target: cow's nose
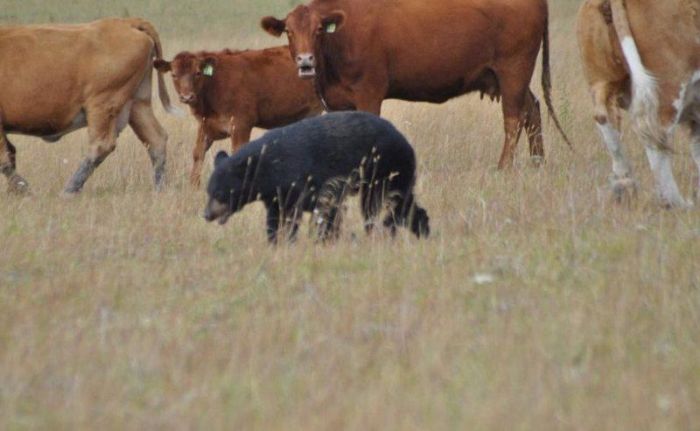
305,60
187,98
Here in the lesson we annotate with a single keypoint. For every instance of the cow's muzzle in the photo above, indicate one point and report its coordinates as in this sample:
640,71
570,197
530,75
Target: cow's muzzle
306,63
188,98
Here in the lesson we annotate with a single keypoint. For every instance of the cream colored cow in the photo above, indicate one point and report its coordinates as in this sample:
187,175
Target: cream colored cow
644,55
55,79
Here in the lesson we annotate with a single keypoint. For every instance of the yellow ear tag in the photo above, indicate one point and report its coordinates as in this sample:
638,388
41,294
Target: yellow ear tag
330,28
208,70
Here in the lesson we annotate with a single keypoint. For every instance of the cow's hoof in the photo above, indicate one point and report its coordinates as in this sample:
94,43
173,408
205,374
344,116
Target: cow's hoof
17,185
624,190
675,204
68,194
537,161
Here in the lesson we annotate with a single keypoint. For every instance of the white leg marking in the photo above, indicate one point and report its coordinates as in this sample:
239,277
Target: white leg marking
611,137
695,151
666,186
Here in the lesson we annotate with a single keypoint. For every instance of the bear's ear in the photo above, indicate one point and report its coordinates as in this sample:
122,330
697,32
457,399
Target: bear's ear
220,157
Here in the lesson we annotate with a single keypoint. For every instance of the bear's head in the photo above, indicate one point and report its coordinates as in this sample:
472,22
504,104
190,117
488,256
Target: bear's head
226,188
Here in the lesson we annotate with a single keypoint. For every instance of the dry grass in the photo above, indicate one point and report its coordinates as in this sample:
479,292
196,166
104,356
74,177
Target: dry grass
536,304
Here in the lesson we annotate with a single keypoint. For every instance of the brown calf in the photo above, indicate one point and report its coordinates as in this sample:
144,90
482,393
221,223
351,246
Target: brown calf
55,79
230,92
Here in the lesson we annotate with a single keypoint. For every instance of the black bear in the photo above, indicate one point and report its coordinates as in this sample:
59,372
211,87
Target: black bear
312,165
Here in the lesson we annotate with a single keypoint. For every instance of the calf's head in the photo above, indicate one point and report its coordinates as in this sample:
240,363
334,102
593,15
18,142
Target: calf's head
225,189
189,72
305,28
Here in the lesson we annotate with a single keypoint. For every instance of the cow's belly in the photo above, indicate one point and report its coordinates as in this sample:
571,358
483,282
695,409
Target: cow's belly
49,128
423,89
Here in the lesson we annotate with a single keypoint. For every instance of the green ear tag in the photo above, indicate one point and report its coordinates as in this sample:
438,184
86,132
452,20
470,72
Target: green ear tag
330,28
208,70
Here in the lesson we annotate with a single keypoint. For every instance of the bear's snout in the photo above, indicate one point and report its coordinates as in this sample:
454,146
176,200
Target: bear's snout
216,210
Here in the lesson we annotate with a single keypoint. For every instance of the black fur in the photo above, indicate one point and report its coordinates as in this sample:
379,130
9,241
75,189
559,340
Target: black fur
312,165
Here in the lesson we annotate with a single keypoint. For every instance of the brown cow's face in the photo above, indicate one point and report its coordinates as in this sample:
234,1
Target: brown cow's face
305,29
189,74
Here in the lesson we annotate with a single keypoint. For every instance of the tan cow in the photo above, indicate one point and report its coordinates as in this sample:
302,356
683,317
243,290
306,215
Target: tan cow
55,79
644,55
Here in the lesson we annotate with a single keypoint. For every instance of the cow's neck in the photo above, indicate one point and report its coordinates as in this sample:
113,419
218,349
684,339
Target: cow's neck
204,107
327,74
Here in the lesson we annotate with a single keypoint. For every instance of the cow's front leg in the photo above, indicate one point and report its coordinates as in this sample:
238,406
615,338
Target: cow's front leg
241,128
201,147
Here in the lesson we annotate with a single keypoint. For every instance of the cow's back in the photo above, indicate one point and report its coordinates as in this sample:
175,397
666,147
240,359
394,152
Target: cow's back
431,50
666,34
600,50
49,72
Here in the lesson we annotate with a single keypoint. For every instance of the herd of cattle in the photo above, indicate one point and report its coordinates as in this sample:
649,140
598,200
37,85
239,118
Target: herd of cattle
637,55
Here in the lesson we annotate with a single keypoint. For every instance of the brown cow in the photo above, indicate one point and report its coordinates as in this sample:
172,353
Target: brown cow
55,79
644,55
230,92
361,52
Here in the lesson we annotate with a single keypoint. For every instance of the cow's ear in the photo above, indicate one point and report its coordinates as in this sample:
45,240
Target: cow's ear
206,66
221,156
161,65
333,21
273,25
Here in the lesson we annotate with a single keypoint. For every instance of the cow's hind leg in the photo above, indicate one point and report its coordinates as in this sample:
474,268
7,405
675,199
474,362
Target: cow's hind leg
608,120
533,128
660,162
514,97
656,138
149,131
695,151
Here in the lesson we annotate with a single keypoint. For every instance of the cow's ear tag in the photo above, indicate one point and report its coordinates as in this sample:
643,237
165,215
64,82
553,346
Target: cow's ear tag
208,70
330,28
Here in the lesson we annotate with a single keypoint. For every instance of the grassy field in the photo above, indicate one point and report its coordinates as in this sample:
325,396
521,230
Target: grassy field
536,303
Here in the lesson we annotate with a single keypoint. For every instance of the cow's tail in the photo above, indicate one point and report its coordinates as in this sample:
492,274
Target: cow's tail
547,82
645,99
147,27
